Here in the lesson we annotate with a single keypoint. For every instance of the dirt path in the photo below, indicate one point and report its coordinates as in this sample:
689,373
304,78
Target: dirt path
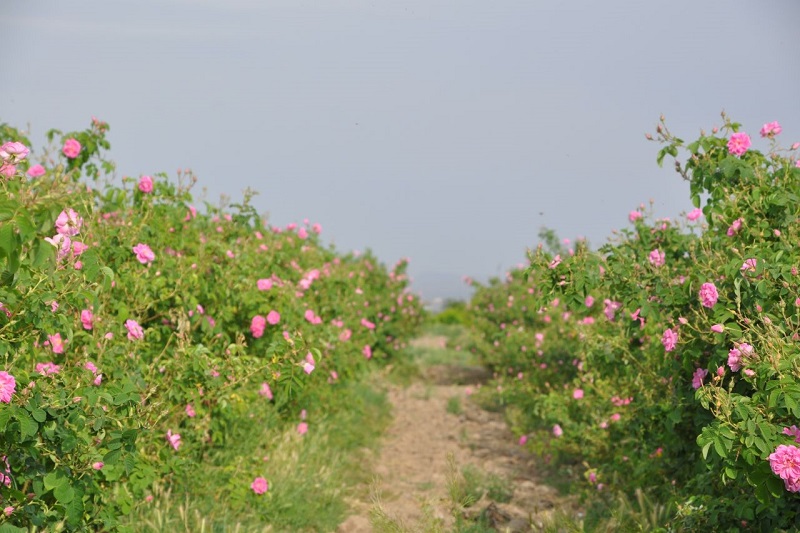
437,434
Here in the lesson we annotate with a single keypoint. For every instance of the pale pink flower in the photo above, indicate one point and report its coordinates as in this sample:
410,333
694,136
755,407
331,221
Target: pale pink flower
259,485
46,369
615,417
749,265
13,152
309,364
98,465
9,171
302,233
257,325
8,385
316,228
265,391
577,394
694,214
146,184
190,412
143,253
367,351
557,431
8,510
669,339
68,223
135,331
87,319
771,129
698,376
88,365
98,379
735,359
589,301
36,171
345,335
708,295
717,328
555,262
657,258
792,431
62,243
273,317
78,248
633,216
302,428
264,284
71,148
174,439
56,343
367,324
611,308
739,143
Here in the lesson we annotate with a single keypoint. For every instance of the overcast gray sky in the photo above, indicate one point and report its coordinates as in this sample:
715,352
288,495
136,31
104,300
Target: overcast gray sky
444,131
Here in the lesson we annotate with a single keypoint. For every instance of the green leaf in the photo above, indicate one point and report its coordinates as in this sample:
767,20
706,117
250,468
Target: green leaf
27,425
54,479
64,493
39,415
8,528
8,240
5,416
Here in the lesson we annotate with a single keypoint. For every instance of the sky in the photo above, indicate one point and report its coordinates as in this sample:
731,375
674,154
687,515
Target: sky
448,132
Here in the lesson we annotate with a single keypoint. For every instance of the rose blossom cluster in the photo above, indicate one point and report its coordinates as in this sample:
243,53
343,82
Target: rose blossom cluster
785,462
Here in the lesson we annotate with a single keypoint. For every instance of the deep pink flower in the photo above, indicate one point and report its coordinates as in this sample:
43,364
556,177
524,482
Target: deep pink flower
68,223
7,386
143,253
367,324
87,319
257,326
771,129
792,431
785,463
669,340
135,331
146,184
259,485
174,439
708,294
589,301
78,248
633,216
302,233
71,148
749,265
577,394
735,227
190,412
88,365
98,379
273,317
717,328
557,431
523,439
739,143
98,465
698,376
36,171
264,284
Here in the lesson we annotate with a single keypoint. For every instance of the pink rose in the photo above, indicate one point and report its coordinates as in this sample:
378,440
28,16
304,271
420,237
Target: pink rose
135,331
771,129
257,326
68,223
13,152
694,214
739,143
669,339
557,431
36,171
259,485
633,216
71,148
708,294
143,253
174,439
273,317
146,184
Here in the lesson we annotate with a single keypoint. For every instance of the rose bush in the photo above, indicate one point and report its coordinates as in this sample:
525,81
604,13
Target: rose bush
125,332
682,335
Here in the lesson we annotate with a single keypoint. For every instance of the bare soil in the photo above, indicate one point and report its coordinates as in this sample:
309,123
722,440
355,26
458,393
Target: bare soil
425,440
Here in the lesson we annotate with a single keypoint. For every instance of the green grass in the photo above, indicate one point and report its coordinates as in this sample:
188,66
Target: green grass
454,406
309,476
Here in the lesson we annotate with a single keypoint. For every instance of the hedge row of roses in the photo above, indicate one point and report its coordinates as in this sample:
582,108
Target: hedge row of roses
667,360
137,333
